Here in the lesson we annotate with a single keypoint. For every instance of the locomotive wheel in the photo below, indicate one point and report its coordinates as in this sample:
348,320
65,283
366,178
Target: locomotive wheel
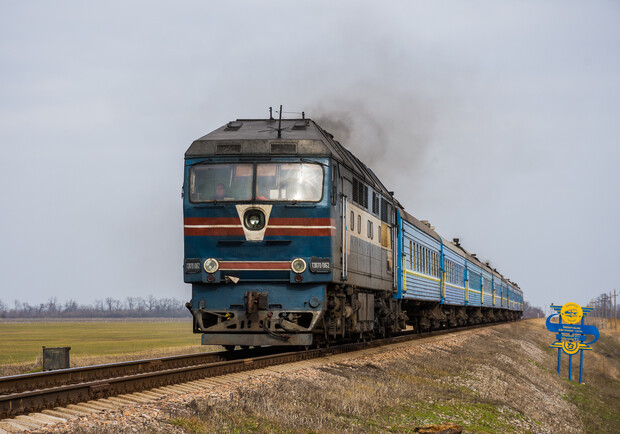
229,347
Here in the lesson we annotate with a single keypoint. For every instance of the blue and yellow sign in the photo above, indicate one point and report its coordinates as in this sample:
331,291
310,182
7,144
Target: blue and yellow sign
571,333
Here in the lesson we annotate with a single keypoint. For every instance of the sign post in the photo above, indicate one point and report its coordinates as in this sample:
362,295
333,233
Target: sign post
571,332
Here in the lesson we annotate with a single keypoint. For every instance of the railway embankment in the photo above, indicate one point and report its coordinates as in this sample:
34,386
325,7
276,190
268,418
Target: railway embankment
496,379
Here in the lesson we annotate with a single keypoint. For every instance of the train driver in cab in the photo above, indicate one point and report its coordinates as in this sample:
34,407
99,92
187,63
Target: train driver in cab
220,192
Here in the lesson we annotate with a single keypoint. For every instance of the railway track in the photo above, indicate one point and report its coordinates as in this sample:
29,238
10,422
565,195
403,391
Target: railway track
42,391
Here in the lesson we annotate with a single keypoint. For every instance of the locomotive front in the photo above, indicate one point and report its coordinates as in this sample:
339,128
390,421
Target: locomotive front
259,229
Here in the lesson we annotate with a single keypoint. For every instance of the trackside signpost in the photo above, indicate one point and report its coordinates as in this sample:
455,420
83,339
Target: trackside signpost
571,332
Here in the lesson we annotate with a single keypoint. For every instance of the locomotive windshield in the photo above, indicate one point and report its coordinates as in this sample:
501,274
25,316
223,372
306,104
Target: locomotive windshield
220,182
289,182
274,182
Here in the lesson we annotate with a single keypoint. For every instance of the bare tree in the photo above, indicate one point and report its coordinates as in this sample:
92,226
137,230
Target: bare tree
51,304
140,304
151,302
71,305
113,304
130,302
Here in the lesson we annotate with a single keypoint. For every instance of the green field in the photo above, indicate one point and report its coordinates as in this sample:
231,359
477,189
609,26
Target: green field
21,343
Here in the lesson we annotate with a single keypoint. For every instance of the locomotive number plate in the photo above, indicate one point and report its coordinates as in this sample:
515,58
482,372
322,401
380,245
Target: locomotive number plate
192,266
320,265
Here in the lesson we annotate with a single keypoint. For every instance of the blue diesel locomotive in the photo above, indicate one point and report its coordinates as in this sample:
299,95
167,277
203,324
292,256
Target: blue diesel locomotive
291,240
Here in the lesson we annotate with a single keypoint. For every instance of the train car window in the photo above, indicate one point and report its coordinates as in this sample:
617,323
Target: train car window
352,220
411,256
359,224
289,182
220,182
371,232
379,234
431,270
420,258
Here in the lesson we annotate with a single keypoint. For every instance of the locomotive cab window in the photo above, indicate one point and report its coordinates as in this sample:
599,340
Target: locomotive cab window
220,182
289,182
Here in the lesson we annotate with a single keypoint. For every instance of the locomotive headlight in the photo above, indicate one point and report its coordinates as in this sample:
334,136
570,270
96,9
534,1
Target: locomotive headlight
254,219
298,265
211,265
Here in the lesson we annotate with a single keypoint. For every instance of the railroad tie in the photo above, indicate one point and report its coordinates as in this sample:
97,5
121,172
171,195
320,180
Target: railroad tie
46,417
154,395
9,425
134,398
119,402
103,405
82,406
22,425
75,411
218,381
59,414
179,388
32,420
145,396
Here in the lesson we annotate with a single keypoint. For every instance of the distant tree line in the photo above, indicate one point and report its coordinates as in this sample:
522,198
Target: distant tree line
131,307
530,311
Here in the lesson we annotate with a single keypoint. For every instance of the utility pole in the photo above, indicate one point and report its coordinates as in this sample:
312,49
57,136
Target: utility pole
615,312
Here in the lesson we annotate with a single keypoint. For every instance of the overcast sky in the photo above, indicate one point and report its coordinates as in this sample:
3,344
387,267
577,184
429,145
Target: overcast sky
497,121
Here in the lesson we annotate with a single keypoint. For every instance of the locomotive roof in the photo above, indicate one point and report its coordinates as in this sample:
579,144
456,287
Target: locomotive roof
257,137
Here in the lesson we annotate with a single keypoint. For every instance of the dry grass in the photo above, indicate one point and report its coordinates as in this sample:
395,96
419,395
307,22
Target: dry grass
94,342
491,380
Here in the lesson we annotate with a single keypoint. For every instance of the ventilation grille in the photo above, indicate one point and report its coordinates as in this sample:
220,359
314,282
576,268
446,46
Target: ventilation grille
284,148
228,148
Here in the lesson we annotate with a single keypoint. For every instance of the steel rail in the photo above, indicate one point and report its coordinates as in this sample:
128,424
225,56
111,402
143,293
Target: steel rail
61,377
14,404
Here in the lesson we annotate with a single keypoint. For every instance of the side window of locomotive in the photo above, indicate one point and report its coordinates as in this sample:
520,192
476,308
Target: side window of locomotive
289,182
375,203
220,182
379,234
352,220
359,224
370,230
360,193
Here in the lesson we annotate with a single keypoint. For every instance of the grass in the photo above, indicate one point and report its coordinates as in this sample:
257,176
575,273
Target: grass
499,380
92,342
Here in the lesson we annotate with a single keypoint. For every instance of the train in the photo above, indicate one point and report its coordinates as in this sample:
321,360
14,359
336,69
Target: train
291,240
